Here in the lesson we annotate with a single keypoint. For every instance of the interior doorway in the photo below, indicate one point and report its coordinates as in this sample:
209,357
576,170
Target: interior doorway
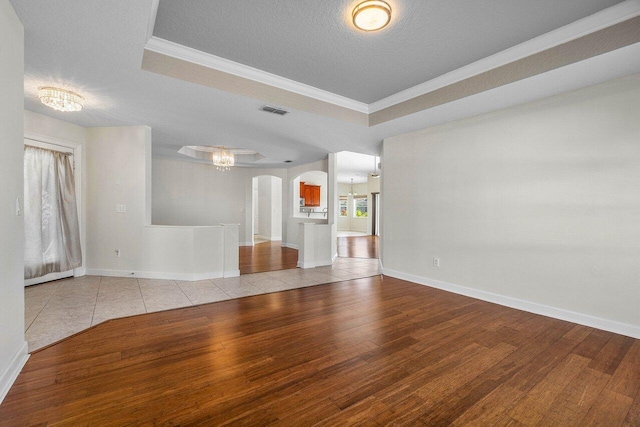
266,209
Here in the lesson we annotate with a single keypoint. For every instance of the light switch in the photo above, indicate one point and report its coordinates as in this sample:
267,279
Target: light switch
18,208
121,208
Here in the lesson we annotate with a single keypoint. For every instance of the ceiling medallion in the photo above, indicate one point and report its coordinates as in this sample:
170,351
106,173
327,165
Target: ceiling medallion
371,15
60,99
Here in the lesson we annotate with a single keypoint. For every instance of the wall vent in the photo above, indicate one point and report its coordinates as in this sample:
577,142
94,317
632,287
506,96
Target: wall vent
274,110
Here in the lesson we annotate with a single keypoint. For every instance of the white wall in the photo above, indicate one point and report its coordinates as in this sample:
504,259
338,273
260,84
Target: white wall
116,176
536,206
196,194
186,193
118,164
290,232
13,348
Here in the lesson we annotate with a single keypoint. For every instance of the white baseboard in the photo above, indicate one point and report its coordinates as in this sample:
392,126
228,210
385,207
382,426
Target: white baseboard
231,273
289,245
335,257
532,307
272,239
245,244
11,371
190,277
306,264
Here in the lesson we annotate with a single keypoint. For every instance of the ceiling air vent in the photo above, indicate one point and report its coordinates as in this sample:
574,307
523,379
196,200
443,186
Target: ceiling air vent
274,110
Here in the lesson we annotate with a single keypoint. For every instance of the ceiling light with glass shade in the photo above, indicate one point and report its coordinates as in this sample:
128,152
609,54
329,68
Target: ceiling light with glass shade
371,15
223,159
60,99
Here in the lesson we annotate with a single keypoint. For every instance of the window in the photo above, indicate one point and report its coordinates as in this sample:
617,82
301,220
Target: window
343,206
360,206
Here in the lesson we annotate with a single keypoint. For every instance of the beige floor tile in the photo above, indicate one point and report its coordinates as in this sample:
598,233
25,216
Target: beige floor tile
237,288
113,309
161,295
203,291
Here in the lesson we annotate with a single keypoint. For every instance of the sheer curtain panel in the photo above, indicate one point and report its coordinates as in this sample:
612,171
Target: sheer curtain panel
52,234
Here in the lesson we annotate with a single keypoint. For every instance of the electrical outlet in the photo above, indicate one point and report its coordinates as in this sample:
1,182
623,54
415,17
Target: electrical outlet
118,253
436,262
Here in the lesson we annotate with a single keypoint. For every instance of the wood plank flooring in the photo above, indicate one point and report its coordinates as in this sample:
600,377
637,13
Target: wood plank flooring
373,351
358,247
268,256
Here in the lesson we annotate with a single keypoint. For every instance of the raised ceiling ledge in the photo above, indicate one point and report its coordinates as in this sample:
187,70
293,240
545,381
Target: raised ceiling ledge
605,31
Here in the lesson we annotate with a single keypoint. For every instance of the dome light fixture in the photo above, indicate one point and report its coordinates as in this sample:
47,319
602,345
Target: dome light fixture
371,15
60,99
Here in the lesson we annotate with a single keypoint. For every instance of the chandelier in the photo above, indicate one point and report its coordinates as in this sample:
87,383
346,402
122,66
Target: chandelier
60,99
223,159
352,193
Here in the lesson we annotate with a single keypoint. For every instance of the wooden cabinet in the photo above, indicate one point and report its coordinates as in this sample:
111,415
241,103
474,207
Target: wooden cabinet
311,194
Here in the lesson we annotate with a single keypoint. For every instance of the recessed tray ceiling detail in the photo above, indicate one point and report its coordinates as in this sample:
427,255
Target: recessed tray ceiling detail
604,31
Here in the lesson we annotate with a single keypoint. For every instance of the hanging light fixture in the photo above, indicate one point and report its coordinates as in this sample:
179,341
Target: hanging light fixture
352,193
371,15
223,159
375,173
60,99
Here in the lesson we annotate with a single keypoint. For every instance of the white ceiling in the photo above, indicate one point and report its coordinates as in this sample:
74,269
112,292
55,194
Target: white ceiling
355,166
95,48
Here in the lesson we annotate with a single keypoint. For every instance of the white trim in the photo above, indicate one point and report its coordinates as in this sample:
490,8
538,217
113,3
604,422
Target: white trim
306,264
188,277
270,239
12,370
152,18
174,50
603,19
231,273
531,307
49,277
245,244
289,245
334,257
323,262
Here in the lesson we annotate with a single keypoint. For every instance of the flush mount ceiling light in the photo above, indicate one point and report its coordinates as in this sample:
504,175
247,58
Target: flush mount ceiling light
371,15
60,99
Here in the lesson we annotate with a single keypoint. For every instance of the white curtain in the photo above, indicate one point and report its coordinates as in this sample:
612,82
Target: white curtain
52,234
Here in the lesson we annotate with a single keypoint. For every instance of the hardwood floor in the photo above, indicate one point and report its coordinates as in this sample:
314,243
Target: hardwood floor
358,247
268,256
371,351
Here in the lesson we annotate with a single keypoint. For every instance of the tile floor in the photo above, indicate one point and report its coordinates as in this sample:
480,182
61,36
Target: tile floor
56,310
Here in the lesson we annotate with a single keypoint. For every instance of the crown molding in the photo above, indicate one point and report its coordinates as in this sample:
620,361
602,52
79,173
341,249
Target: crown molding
174,50
152,18
603,19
